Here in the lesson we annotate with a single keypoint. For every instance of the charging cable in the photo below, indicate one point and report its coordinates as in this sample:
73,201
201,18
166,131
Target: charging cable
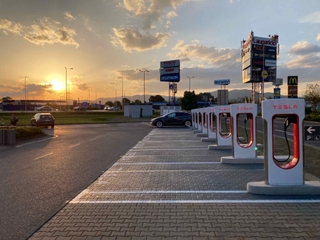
286,124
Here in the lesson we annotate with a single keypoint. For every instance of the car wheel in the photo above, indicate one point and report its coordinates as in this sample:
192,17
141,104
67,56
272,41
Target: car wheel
187,123
159,124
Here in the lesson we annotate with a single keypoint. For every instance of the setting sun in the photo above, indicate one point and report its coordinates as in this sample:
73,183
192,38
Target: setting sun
57,85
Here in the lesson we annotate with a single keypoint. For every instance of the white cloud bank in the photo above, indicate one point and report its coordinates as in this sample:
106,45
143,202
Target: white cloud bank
150,14
46,31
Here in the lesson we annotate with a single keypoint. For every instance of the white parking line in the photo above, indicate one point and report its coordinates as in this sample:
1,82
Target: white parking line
288,133
43,156
193,201
29,143
74,145
95,138
168,192
165,163
170,149
183,170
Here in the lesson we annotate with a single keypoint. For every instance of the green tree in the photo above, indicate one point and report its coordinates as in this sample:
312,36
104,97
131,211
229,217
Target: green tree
157,98
109,103
137,102
6,99
188,101
204,96
312,95
126,101
118,104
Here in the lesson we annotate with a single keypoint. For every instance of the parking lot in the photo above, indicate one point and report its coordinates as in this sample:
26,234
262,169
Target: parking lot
170,186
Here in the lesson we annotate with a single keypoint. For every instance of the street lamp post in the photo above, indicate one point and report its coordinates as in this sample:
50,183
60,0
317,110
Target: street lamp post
144,85
67,85
115,83
122,102
189,81
25,93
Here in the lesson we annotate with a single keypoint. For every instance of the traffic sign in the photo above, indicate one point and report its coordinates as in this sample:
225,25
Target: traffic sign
292,80
312,133
264,74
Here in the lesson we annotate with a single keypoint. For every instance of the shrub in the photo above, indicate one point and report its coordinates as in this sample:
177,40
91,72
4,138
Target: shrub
25,132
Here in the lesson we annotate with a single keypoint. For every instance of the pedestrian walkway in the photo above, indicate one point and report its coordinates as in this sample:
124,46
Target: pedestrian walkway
170,186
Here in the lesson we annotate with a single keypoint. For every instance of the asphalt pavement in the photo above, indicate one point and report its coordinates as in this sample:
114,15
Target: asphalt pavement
171,186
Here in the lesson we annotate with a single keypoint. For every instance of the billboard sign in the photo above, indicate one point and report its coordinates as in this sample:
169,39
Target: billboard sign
258,54
292,80
292,91
222,82
169,70
270,63
170,77
261,55
276,93
278,82
266,49
171,63
266,41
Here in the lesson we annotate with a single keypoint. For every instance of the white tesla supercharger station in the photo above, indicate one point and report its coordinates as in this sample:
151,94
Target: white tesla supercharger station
224,128
284,173
194,119
204,118
244,137
211,126
199,122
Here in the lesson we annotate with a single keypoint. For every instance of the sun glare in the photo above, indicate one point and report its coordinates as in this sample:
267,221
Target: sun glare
57,85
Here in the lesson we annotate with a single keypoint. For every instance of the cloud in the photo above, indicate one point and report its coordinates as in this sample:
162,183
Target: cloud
149,15
224,58
303,48
68,16
171,14
318,37
46,31
82,86
88,24
313,18
135,6
132,39
152,11
8,26
306,61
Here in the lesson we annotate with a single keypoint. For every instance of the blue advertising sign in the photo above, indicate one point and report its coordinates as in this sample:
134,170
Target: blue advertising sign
170,77
222,82
276,93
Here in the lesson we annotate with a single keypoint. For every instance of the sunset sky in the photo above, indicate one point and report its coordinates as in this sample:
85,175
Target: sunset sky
104,40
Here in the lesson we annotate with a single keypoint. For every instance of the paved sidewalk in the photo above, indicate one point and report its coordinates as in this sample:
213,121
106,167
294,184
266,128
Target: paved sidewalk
170,186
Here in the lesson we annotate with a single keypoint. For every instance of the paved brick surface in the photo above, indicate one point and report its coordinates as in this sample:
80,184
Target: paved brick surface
170,186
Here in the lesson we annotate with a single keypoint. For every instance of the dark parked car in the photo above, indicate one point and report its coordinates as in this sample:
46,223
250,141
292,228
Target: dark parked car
42,119
79,108
45,109
172,119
